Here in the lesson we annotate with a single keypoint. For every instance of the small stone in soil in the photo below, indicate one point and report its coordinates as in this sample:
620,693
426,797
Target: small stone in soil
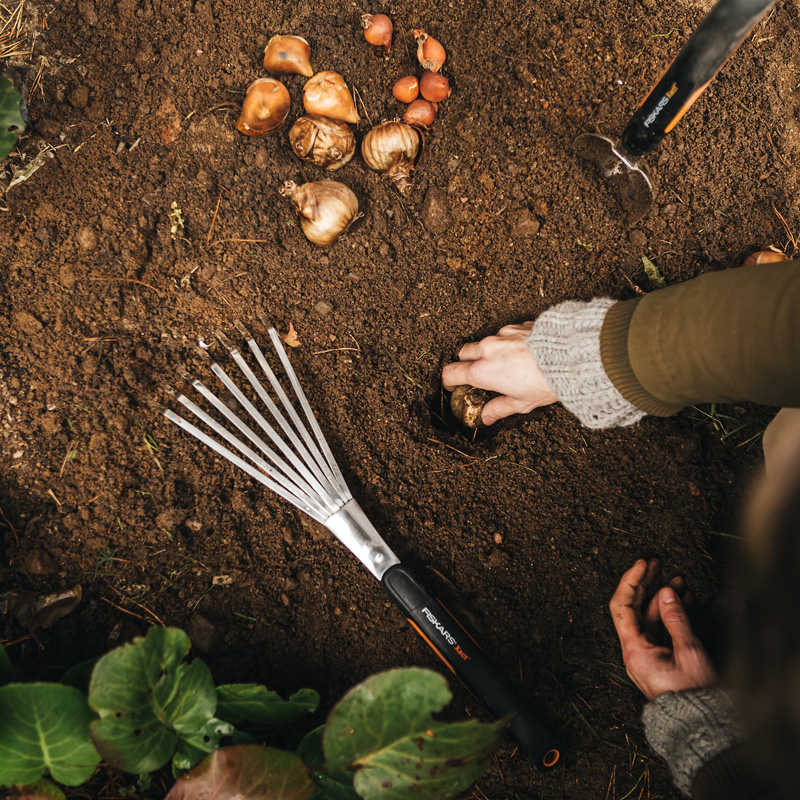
323,309
206,632
435,211
87,238
498,538
525,224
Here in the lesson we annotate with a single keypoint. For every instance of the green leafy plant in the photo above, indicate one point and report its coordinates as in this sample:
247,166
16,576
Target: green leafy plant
11,122
147,706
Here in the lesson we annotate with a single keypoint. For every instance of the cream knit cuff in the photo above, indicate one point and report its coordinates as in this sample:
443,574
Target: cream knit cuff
689,729
565,343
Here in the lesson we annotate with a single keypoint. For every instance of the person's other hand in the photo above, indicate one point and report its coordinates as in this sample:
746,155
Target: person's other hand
503,364
659,648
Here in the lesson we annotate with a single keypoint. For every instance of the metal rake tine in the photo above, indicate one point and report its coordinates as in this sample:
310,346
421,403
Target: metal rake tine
274,435
333,474
306,406
238,462
306,457
286,476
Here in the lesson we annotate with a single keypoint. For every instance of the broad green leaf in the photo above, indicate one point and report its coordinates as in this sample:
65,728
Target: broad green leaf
79,675
310,749
41,790
240,701
185,758
147,699
185,698
383,727
334,787
6,667
246,772
11,122
45,726
208,737
338,786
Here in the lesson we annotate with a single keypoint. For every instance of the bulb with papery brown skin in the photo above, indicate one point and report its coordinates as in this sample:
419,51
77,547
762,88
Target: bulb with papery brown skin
421,113
265,107
378,29
434,87
327,94
406,90
326,208
467,402
765,257
286,55
328,143
430,53
393,149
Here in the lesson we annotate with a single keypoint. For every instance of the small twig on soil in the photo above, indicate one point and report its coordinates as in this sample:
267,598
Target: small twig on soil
124,610
58,502
13,529
363,105
128,280
786,228
243,241
612,782
356,349
71,450
777,152
144,608
222,283
213,220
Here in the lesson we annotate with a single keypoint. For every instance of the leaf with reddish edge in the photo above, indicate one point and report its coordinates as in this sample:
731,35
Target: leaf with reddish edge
246,772
41,790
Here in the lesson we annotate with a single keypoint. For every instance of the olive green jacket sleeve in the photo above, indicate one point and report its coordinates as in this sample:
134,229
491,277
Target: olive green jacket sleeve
729,336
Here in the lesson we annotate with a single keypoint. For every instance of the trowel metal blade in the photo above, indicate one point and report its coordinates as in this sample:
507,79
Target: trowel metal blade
630,182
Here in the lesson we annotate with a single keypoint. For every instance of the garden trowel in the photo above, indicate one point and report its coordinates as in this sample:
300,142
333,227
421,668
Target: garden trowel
719,34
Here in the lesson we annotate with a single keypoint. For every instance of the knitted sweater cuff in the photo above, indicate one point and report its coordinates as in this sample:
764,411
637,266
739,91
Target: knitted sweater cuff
565,343
689,729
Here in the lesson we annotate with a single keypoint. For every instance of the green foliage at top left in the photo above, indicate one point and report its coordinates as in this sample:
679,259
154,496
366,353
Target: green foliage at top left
11,122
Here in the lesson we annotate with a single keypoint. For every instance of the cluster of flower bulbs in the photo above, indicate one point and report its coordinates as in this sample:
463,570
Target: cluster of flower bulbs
322,136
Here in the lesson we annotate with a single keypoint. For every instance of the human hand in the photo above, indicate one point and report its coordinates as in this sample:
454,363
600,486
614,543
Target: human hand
503,364
659,648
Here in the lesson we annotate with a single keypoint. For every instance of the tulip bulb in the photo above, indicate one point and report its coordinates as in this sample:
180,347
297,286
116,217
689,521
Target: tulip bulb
327,94
434,87
265,107
421,113
765,257
287,55
328,143
430,53
406,89
326,209
467,404
378,29
392,149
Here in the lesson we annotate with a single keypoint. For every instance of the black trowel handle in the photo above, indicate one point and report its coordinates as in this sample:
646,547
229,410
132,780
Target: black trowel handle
719,34
456,648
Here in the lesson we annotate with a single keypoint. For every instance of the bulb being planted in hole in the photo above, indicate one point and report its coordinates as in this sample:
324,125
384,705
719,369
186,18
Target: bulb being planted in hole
765,257
467,404
326,208
265,107
327,94
378,29
287,55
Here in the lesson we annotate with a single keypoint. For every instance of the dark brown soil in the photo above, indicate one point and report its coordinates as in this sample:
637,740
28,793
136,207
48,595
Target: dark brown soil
530,529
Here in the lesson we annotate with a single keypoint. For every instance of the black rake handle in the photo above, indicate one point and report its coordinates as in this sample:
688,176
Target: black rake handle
464,658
